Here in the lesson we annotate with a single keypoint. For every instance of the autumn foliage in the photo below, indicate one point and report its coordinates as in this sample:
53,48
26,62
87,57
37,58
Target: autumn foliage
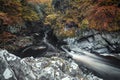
15,12
105,15
6,36
39,1
95,14
10,11
104,18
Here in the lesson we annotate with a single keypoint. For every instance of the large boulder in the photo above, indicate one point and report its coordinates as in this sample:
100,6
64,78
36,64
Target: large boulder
54,68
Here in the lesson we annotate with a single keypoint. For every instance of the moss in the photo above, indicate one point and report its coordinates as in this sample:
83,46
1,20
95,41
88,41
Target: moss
65,33
51,19
52,16
29,15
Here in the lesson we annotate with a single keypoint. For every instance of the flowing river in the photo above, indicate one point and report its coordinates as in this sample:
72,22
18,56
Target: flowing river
107,68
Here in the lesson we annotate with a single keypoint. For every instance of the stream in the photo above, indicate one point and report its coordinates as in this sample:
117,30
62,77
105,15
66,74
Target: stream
101,66
105,67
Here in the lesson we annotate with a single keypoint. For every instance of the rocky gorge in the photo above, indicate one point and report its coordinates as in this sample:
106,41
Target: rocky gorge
60,58
59,40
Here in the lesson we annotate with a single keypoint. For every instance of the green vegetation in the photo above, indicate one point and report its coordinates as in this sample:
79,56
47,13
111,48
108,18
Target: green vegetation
15,12
64,16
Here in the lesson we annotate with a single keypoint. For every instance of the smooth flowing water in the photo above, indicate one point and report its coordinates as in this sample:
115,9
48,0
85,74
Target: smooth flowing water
103,67
108,69
46,41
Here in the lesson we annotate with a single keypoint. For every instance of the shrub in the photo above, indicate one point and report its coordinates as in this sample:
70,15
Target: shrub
104,18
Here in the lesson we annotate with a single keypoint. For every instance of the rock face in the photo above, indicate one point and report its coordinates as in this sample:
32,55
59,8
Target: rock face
24,41
15,68
97,42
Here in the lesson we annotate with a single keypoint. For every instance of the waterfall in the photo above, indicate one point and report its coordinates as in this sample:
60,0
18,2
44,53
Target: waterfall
47,43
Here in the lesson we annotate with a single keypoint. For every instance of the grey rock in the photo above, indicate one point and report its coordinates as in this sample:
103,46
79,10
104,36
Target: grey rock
14,28
29,68
24,41
97,42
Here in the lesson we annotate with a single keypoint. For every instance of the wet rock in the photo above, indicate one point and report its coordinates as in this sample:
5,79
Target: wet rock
14,28
32,50
54,40
24,41
14,44
6,73
13,67
97,42
34,27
